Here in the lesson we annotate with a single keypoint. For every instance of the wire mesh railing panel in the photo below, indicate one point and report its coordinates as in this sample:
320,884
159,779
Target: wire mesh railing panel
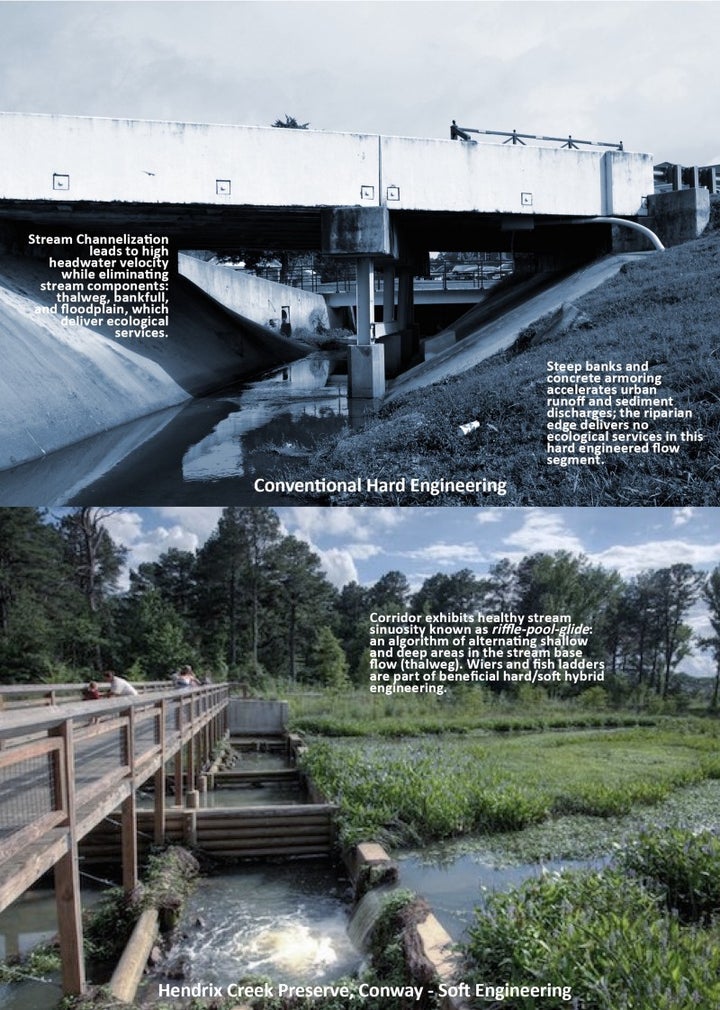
96,757
146,736
28,791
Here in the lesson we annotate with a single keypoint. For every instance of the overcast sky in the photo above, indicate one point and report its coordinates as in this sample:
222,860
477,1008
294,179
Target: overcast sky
641,72
361,544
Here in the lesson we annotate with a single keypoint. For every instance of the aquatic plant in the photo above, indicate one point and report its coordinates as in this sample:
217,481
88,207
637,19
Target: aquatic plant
424,789
684,866
602,934
42,960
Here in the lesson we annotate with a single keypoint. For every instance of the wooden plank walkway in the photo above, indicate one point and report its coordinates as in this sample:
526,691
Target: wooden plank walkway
64,768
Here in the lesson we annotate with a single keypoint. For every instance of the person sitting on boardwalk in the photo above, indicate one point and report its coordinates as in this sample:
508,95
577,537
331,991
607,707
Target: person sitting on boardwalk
91,692
118,685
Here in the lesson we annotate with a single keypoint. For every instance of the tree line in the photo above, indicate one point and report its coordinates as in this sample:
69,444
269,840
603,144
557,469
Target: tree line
253,602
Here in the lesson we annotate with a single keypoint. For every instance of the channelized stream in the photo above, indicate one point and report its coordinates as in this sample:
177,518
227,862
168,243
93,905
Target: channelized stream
212,449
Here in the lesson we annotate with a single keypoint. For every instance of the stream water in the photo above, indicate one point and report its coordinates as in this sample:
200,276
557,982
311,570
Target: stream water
287,921
210,450
27,923
455,887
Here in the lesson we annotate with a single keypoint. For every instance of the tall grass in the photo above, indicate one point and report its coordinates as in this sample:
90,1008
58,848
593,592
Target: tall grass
663,309
360,713
684,867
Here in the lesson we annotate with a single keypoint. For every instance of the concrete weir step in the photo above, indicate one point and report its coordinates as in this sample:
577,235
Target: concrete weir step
263,744
237,777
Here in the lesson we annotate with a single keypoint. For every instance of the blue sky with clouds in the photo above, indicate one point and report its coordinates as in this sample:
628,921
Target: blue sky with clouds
362,544
639,71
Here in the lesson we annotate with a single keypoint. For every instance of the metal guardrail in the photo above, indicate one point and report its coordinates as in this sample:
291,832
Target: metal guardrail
672,177
513,137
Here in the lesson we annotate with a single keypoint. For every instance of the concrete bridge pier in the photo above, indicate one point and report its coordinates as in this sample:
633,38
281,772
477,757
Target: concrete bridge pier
365,235
366,362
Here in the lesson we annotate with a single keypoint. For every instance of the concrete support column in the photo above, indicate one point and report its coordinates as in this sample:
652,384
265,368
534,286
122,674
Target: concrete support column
366,362
388,293
406,312
366,372
405,309
364,299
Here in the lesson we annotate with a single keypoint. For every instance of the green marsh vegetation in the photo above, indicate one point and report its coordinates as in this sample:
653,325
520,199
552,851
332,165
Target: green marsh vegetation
357,713
421,790
662,309
608,934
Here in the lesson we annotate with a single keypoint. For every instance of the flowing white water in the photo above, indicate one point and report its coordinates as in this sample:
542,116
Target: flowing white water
286,921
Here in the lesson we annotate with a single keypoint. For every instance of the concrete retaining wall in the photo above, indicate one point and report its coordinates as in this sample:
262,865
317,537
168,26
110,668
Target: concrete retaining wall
256,717
59,385
680,216
257,299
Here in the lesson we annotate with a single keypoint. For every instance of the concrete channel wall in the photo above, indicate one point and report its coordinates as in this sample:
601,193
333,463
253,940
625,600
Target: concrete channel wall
256,717
256,299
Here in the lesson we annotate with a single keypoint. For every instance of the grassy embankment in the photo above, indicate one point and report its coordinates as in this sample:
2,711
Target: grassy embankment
642,935
663,309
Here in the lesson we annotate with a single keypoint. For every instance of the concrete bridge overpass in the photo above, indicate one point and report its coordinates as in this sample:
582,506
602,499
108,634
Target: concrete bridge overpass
382,201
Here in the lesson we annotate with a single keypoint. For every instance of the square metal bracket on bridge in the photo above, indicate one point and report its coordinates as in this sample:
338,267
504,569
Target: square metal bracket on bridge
392,193
223,187
367,192
61,181
526,199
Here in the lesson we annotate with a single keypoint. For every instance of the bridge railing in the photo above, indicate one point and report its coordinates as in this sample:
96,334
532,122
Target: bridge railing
513,137
14,696
63,771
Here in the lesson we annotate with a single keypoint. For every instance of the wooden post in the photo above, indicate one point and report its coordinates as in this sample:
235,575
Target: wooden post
159,779
179,757
129,813
67,876
190,756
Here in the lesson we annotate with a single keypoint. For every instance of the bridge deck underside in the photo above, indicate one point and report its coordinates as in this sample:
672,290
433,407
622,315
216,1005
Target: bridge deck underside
200,226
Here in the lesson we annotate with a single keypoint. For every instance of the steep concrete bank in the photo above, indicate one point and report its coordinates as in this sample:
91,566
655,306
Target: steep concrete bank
61,384
273,306
480,341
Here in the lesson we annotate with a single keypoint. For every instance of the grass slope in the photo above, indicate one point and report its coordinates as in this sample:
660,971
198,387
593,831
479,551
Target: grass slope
665,310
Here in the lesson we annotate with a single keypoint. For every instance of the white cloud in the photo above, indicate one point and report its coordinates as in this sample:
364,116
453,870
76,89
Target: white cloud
448,555
543,530
146,542
345,521
631,559
682,516
489,515
361,552
338,565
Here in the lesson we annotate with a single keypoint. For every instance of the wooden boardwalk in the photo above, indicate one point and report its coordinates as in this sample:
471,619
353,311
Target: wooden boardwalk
64,768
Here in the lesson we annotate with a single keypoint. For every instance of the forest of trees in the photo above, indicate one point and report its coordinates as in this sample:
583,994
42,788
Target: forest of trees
254,602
